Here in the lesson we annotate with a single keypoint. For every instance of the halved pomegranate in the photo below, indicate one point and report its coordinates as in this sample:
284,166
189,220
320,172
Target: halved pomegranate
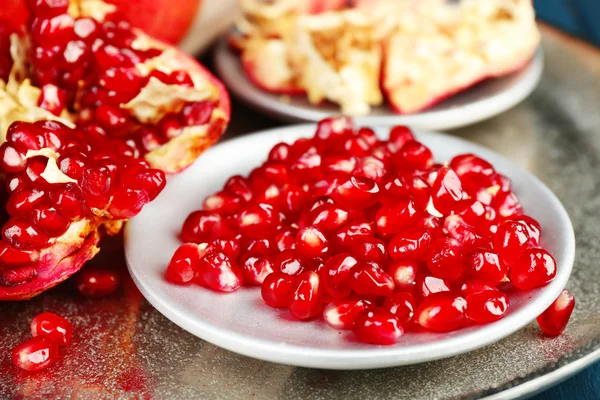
98,113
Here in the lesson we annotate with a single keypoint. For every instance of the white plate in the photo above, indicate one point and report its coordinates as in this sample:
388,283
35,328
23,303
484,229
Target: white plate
241,322
483,101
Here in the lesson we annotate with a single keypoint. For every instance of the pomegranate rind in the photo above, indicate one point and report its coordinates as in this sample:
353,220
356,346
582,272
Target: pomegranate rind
56,264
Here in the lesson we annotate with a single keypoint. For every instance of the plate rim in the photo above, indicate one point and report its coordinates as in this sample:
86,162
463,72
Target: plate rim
338,359
227,63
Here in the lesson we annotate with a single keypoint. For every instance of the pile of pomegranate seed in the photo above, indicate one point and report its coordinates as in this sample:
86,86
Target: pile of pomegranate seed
49,331
6,61
55,179
93,65
372,235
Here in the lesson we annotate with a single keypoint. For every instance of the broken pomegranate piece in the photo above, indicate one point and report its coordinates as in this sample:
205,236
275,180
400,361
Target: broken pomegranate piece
363,257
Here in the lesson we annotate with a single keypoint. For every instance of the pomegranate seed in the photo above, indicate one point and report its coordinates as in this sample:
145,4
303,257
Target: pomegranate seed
184,263
472,170
202,226
371,168
50,221
340,165
327,217
51,31
393,188
306,301
420,191
359,228
533,229
554,320
401,305
219,272
54,326
199,113
510,241
257,246
357,146
97,282
334,130
428,285
369,280
458,229
377,326
311,242
357,193
68,201
447,193
475,286
35,354
399,136
404,274
239,186
255,269
368,249
21,234
413,156
393,219
442,312
288,263
306,167
280,153
487,306
222,203
257,220
277,289
486,265
507,205
285,239
341,313
336,275
411,244
534,268
446,259
52,99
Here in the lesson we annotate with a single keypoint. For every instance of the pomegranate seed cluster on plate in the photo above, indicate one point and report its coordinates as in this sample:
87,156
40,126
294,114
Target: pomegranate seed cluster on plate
93,113
360,53
369,235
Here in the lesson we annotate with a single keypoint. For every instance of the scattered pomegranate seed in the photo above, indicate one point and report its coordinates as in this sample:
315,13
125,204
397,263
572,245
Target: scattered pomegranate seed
184,263
370,235
54,326
97,282
554,320
35,354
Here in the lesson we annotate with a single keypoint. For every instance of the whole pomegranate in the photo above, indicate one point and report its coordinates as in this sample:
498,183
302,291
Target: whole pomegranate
94,113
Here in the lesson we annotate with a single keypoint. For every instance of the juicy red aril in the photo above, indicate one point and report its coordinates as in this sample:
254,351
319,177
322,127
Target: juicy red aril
202,226
371,168
35,354
428,285
393,219
472,170
369,280
97,282
229,246
487,306
21,234
311,242
377,326
459,230
257,246
399,136
327,217
285,239
486,265
393,187
413,156
288,263
534,268
184,263
280,153
507,205
21,203
357,192
255,269
336,275
413,244
222,203
68,201
239,186
404,274
511,239
257,220
52,99
277,288
50,221
446,191
334,130
533,229
554,320
368,249
356,229
475,286
446,259
401,305
219,272
306,168
199,113
442,312
54,326
306,300
338,165
56,30
341,314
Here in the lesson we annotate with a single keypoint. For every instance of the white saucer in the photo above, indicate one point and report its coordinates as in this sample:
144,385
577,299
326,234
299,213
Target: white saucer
242,323
481,102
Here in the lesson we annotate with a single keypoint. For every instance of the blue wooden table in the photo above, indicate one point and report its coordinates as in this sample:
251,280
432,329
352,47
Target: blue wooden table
583,386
